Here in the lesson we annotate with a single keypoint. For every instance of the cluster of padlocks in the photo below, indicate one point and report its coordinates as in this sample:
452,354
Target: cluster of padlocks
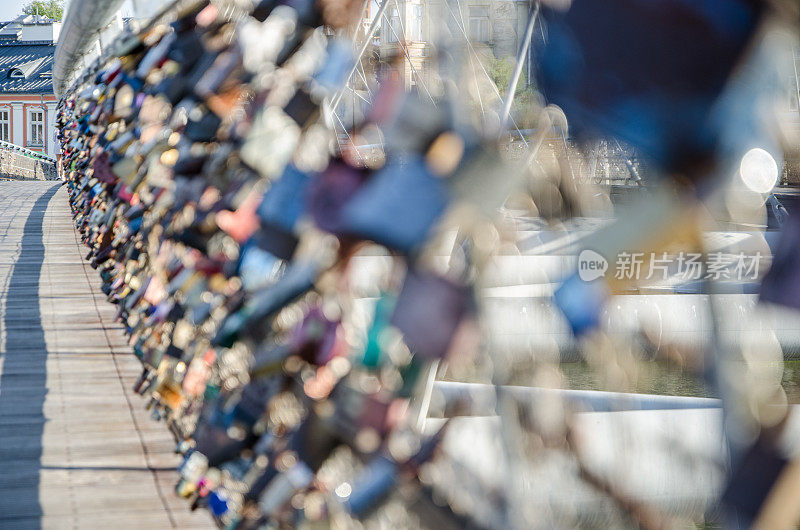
292,286
287,297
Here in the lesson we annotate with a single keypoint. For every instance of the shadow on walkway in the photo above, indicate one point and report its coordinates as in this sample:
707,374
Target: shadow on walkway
23,383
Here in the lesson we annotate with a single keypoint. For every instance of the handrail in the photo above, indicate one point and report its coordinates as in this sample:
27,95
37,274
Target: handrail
83,22
6,146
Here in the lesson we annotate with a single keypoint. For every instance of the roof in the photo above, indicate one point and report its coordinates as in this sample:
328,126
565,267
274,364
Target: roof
13,27
34,59
26,20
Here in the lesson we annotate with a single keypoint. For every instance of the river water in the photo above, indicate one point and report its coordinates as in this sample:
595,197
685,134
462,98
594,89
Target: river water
666,379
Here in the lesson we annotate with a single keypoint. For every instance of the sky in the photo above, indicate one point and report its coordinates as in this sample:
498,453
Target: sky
9,9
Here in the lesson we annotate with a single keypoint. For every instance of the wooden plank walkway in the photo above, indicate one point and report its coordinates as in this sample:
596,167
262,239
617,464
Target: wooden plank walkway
77,448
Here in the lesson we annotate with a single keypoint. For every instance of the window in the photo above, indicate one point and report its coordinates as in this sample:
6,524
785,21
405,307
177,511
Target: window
479,24
5,125
393,32
416,24
36,127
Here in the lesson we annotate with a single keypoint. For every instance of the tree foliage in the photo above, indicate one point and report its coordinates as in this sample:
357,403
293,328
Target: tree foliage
500,71
48,8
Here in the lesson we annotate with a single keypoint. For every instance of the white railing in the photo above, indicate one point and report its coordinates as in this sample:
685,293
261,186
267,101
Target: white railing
18,163
6,146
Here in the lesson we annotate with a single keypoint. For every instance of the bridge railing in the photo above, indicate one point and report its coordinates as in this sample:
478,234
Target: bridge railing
18,163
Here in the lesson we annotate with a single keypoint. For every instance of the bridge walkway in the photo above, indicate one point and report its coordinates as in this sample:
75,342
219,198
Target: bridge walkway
77,448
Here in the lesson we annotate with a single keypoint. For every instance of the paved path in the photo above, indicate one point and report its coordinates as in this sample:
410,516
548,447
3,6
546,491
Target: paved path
77,448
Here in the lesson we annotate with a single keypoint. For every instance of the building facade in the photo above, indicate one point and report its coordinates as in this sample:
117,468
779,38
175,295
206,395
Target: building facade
27,102
409,28
404,45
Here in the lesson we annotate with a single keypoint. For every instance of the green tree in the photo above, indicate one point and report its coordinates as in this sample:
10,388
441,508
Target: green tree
48,8
500,71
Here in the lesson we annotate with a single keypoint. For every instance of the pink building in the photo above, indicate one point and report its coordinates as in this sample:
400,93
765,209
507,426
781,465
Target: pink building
27,102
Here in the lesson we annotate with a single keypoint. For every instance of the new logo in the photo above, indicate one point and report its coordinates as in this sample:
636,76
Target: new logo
591,265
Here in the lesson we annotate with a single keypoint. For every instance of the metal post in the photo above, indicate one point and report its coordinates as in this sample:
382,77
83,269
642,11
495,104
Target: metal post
367,38
523,52
403,47
483,69
796,78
